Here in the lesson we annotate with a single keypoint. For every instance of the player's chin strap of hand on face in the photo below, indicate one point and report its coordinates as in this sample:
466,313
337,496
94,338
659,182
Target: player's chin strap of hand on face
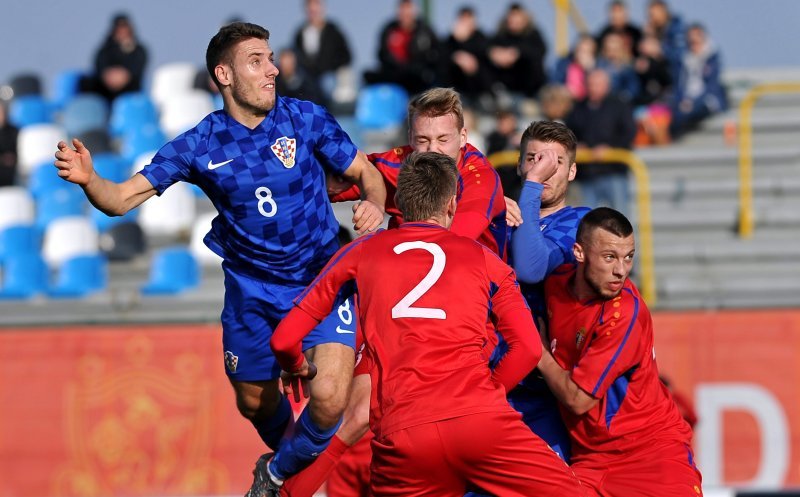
296,382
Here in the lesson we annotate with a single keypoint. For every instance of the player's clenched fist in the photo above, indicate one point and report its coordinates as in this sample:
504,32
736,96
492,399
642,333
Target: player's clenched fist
74,165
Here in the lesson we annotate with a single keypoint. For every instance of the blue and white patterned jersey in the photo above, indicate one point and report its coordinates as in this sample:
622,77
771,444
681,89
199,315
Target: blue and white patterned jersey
275,221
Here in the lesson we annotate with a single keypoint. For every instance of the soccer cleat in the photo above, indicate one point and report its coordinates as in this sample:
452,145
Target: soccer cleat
264,484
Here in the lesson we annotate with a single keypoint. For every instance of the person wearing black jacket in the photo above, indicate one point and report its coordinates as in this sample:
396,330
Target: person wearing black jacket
466,67
120,62
517,54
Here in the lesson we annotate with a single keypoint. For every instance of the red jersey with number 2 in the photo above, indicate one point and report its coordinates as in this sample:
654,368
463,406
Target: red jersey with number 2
424,295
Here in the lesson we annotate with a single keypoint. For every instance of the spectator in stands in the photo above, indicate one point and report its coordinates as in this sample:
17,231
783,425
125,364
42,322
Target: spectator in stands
466,67
601,122
294,81
505,135
617,60
655,82
555,102
698,92
321,48
8,149
670,31
517,52
120,61
408,52
571,70
619,23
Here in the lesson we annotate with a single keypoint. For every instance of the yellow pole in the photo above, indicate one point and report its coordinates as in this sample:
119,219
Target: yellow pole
562,8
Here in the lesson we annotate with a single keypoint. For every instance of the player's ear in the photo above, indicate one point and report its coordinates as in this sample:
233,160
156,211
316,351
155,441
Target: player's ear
462,137
451,206
223,74
577,251
573,169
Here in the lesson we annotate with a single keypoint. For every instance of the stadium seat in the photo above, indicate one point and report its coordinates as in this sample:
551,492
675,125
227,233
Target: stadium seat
123,241
137,141
66,85
142,160
25,84
79,276
37,144
65,201
44,179
83,113
184,110
18,240
24,276
16,206
381,106
130,111
199,250
111,166
68,237
171,79
97,141
172,214
174,270
28,110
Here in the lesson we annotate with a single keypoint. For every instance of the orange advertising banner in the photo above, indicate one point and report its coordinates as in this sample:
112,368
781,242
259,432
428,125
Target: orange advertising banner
148,411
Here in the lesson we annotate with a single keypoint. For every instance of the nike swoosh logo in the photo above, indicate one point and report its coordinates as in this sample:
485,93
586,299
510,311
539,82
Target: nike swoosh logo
211,165
340,330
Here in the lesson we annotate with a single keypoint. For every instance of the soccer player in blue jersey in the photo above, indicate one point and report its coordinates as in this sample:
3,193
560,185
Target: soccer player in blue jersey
539,245
262,161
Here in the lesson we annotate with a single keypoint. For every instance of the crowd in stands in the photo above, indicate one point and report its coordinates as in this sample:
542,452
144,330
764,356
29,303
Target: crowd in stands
624,86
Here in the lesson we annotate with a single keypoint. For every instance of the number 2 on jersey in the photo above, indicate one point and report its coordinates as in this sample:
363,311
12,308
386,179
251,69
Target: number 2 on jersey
404,308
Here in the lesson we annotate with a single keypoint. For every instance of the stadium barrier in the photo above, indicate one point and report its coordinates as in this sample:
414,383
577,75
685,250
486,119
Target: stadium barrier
643,217
746,218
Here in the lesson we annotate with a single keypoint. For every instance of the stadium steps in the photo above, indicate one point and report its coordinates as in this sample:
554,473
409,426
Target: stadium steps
700,261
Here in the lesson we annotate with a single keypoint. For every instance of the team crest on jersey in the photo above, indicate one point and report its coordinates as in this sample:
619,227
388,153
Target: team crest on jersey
284,149
580,336
231,361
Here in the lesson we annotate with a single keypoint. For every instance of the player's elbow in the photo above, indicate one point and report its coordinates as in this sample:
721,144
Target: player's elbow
580,404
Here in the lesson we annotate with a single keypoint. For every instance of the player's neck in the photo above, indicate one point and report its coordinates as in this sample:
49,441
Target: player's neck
545,211
579,287
244,117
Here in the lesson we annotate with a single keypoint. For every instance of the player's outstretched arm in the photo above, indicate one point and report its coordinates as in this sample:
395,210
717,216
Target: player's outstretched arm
114,199
367,214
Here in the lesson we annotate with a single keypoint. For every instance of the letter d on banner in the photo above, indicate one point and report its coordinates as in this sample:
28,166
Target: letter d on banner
712,399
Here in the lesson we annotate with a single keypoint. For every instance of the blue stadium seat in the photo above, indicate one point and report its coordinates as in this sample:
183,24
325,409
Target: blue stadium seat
112,167
85,112
66,86
381,106
19,240
44,179
80,276
174,270
142,139
24,276
61,202
29,109
131,111
105,223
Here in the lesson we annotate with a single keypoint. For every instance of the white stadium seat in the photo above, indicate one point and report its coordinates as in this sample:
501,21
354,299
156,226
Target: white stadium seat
184,110
37,144
199,250
68,237
170,80
170,215
16,206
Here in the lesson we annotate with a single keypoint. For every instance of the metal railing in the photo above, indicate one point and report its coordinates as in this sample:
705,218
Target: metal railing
746,219
645,223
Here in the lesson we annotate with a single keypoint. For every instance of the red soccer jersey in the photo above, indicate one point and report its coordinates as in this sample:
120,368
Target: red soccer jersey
424,295
608,346
481,212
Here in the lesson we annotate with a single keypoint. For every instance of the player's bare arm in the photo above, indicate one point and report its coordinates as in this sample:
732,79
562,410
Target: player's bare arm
560,382
113,199
367,214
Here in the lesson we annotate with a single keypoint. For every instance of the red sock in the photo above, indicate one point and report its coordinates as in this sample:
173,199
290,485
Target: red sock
308,481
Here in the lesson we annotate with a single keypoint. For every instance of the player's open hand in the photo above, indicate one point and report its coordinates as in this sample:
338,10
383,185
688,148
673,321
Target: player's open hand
74,165
296,383
513,213
367,217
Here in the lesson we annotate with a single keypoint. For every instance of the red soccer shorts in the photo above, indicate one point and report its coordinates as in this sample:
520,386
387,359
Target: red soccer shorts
664,469
493,451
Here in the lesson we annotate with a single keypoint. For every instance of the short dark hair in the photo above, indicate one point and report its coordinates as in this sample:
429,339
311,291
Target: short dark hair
219,48
436,102
605,218
549,131
427,182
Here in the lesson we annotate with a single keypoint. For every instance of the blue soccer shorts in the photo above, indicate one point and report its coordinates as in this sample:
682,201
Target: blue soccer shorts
253,310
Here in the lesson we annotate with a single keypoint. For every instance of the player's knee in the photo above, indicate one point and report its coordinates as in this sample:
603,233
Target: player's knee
328,401
257,405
